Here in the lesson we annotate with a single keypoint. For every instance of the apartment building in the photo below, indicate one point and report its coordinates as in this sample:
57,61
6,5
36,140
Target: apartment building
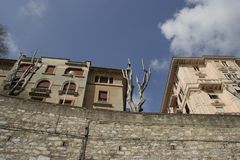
62,81
203,85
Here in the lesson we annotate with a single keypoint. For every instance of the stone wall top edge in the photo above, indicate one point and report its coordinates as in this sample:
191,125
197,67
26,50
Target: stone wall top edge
107,115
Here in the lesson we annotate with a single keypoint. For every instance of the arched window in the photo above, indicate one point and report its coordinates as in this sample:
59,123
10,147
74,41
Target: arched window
77,71
43,84
71,86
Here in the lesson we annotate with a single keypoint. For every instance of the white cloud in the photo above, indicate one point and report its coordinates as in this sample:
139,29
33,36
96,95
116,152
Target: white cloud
157,65
33,8
12,46
204,27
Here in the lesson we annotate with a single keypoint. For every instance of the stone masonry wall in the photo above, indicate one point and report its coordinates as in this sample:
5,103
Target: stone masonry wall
32,130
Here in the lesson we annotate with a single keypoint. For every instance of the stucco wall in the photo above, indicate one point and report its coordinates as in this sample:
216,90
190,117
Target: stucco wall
197,83
115,91
34,130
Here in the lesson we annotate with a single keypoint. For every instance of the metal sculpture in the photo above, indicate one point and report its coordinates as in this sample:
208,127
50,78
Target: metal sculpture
127,74
15,83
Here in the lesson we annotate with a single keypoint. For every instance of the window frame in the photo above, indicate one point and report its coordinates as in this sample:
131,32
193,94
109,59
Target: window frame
66,84
42,87
102,99
67,100
53,71
99,79
224,63
213,95
75,70
196,68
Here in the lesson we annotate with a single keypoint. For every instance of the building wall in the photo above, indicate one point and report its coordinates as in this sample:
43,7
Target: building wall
57,80
193,86
36,130
87,92
115,90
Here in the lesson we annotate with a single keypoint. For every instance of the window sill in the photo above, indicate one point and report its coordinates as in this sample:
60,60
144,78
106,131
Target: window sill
102,104
49,73
77,76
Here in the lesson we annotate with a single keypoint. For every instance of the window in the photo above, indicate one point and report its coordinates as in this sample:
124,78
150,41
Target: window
71,86
235,76
77,71
111,80
179,97
43,84
176,79
103,79
23,67
97,79
212,95
225,63
228,76
102,96
181,92
238,91
67,102
176,82
196,68
187,109
50,69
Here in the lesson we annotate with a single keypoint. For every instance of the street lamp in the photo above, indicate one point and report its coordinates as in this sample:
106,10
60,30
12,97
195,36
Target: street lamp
71,73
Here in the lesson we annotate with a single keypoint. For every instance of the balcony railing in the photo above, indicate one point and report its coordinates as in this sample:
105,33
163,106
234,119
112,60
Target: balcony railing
40,92
210,84
69,92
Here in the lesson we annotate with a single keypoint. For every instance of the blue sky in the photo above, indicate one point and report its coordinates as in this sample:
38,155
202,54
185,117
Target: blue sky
107,32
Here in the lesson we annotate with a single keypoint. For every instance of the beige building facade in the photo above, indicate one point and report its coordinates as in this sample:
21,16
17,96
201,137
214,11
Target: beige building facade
106,89
204,85
62,81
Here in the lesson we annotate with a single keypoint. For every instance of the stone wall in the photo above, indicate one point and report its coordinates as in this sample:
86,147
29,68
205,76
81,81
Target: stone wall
32,130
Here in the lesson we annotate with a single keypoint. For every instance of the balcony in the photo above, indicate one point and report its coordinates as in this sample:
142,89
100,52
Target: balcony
231,68
40,92
221,68
69,92
217,102
210,84
200,74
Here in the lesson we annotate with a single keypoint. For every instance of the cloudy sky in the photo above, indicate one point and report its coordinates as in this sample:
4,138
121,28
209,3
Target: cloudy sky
107,32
